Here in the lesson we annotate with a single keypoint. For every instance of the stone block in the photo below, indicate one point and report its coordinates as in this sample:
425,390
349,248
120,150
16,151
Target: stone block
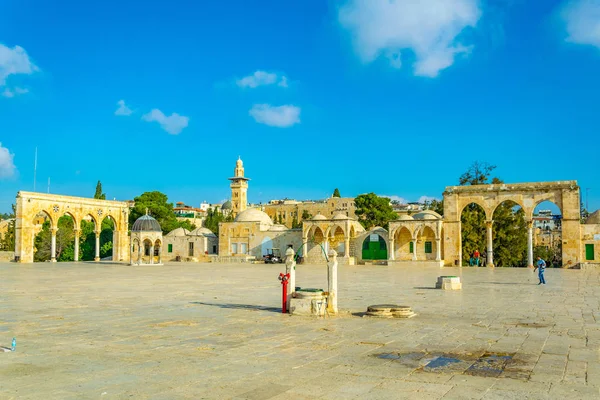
308,307
448,283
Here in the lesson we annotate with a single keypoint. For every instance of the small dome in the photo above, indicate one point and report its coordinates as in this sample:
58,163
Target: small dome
427,214
146,223
254,215
340,216
404,217
227,205
202,232
594,218
319,217
178,232
278,228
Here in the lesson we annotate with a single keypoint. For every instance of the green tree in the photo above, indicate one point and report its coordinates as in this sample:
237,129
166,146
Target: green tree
65,239
7,241
336,193
306,215
373,210
99,194
435,205
213,218
509,227
295,223
478,174
158,207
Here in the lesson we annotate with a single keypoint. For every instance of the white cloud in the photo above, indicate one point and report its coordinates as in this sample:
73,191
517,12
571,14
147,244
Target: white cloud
582,21
399,199
123,109
423,199
262,78
13,62
7,167
281,116
429,28
173,124
12,93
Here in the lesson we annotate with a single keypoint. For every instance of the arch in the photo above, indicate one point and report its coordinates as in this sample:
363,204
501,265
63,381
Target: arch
402,240
547,225
476,202
509,236
513,199
42,213
374,247
472,231
426,244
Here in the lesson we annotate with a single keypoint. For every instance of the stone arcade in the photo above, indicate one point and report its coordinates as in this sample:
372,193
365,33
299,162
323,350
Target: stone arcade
30,204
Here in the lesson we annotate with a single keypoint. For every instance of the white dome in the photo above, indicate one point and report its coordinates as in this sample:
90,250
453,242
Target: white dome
427,214
405,217
340,216
278,228
178,232
254,215
319,217
202,232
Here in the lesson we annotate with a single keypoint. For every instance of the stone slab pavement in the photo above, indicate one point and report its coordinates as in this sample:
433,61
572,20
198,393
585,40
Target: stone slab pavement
215,331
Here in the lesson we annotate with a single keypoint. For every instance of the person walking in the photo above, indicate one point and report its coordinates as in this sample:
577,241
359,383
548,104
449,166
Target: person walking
541,265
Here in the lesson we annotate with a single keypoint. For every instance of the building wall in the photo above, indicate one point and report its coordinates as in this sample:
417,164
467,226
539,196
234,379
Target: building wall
249,234
180,246
590,234
328,208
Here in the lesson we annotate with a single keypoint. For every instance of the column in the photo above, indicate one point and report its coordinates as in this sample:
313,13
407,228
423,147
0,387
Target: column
160,254
304,247
332,285
391,250
53,245
131,250
347,247
530,244
97,257
438,249
76,247
290,268
490,244
414,257
139,260
152,254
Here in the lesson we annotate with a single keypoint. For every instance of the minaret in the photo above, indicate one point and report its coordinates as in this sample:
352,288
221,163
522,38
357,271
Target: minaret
239,189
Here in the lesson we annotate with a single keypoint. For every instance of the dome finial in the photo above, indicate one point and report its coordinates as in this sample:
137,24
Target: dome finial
146,210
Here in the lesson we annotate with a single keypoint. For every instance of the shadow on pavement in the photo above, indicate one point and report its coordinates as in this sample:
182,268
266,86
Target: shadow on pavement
239,306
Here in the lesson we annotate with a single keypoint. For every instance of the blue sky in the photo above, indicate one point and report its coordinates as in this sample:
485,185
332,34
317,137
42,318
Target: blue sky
398,98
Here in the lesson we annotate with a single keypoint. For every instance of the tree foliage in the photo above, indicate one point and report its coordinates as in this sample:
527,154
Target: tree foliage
159,208
509,230
373,210
213,218
435,205
336,193
306,215
99,195
7,241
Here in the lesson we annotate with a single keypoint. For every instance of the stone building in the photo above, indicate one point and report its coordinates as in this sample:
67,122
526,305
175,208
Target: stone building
288,210
252,234
146,241
181,244
239,189
417,238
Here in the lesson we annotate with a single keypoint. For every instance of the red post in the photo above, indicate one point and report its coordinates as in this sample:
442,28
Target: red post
284,284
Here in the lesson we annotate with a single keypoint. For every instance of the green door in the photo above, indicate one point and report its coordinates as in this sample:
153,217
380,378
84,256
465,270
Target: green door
589,252
374,248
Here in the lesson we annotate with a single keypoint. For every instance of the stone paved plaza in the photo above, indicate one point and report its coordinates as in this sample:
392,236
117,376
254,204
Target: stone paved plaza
110,331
